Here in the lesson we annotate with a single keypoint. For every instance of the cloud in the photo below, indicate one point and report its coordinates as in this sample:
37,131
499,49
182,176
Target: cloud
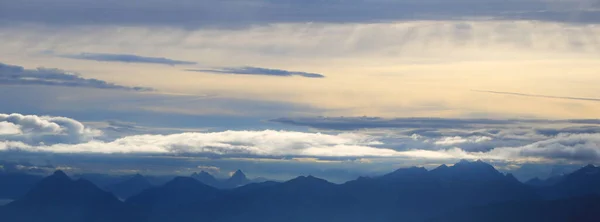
256,143
17,75
539,96
7,128
353,123
211,13
126,58
33,130
212,169
569,147
60,135
458,140
258,71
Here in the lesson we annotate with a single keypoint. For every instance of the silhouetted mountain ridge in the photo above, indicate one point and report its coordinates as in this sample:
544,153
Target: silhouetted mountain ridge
407,194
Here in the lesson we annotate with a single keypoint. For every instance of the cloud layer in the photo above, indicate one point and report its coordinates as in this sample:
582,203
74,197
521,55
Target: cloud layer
126,58
258,71
64,135
17,75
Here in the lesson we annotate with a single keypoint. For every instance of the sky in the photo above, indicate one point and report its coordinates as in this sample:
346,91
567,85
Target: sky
332,88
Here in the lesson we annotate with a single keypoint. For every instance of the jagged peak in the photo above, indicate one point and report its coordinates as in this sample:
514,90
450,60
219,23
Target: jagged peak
443,166
463,163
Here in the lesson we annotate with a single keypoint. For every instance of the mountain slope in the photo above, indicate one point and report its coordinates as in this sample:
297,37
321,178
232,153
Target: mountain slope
130,186
579,209
16,185
178,192
58,198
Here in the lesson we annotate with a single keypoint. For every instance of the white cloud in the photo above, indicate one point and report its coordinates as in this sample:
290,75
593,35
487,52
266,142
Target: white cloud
34,129
260,143
7,128
458,140
213,169
64,135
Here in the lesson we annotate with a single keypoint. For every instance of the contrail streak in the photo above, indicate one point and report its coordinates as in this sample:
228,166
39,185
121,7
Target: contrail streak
538,96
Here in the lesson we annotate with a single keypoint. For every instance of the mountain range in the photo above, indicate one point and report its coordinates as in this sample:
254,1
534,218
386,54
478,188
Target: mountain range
465,191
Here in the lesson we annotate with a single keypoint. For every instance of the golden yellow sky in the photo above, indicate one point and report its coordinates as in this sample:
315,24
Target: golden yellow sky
427,68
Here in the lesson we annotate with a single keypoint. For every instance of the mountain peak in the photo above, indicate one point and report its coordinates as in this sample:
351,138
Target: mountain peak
305,180
466,170
202,174
411,172
60,174
239,173
589,169
238,177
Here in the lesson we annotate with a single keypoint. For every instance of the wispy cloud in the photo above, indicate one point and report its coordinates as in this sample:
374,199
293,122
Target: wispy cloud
17,75
203,13
539,96
248,70
126,58
353,123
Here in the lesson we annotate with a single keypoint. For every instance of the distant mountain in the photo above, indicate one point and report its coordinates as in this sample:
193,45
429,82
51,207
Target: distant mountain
58,198
16,185
176,193
207,178
101,180
537,182
129,187
466,191
585,181
237,179
468,171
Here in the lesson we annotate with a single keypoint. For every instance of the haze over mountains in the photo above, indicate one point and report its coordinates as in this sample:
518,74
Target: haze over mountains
465,191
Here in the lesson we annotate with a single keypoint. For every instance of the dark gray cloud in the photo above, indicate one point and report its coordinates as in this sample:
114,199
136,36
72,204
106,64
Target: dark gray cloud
258,71
126,58
539,96
569,147
17,75
203,13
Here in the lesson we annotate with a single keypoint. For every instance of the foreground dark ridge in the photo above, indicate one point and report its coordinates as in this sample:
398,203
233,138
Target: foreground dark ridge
466,191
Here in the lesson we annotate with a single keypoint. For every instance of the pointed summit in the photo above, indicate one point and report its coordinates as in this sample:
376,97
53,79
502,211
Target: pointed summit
239,175
238,178
60,174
